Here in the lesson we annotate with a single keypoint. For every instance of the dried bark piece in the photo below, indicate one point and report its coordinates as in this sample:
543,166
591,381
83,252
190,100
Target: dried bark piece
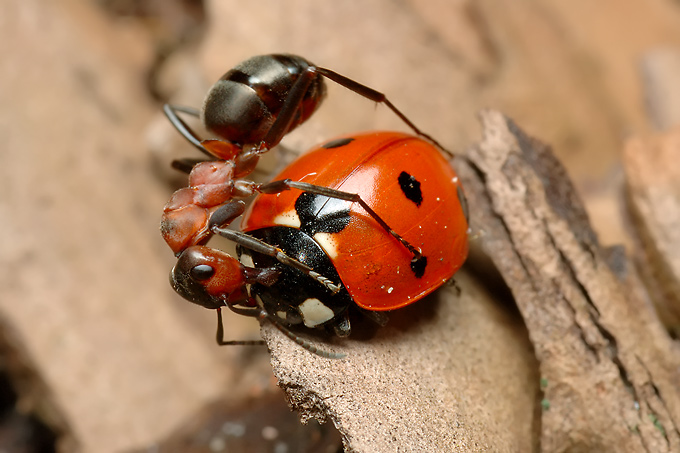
660,70
451,373
608,372
653,195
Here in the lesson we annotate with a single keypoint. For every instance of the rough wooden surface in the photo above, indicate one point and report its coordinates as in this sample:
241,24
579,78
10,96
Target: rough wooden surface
653,187
453,373
608,370
653,193
121,360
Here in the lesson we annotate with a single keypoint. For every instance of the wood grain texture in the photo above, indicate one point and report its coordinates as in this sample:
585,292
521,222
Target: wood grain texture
653,195
609,372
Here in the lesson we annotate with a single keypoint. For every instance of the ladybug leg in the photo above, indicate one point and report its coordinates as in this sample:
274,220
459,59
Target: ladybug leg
454,284
262,247
343,328
418,262
378,317
375,96
262,315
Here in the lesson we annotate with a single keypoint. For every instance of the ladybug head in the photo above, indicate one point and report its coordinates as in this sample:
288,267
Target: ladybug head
213,279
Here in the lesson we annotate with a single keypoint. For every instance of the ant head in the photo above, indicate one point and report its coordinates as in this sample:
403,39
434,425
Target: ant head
209,277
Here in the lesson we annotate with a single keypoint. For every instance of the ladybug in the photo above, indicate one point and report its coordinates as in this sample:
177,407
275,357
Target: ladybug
375,221
249,109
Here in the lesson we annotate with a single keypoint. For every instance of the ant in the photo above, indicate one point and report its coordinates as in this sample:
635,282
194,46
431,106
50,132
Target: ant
251,108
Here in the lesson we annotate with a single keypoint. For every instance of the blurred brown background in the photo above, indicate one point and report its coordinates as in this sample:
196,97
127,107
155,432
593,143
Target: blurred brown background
95,341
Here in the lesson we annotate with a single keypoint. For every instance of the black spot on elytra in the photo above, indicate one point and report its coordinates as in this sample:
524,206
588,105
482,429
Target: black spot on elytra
337,143
411,188
418,266
321,214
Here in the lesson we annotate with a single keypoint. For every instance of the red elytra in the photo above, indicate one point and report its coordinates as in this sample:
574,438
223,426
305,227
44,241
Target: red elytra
411,186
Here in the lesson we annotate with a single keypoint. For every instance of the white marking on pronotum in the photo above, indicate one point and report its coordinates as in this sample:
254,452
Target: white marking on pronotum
288,218
328,242
314,312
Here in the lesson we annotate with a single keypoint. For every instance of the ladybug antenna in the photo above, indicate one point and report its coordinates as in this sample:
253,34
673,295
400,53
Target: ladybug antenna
301,341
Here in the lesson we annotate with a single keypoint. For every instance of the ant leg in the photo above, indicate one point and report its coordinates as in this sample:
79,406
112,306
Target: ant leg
182,127
226,214
220,330
343,327
418,262
298,91
262,247
375,96
285,117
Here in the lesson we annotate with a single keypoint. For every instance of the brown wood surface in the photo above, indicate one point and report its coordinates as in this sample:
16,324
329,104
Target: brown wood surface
555,352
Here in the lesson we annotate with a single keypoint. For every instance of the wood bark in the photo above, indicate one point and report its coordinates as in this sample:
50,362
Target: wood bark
608,372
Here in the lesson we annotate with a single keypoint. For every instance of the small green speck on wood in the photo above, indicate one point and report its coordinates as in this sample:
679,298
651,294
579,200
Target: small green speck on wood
657,424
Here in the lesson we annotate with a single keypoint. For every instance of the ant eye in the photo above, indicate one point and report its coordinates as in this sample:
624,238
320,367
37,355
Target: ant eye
202,272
